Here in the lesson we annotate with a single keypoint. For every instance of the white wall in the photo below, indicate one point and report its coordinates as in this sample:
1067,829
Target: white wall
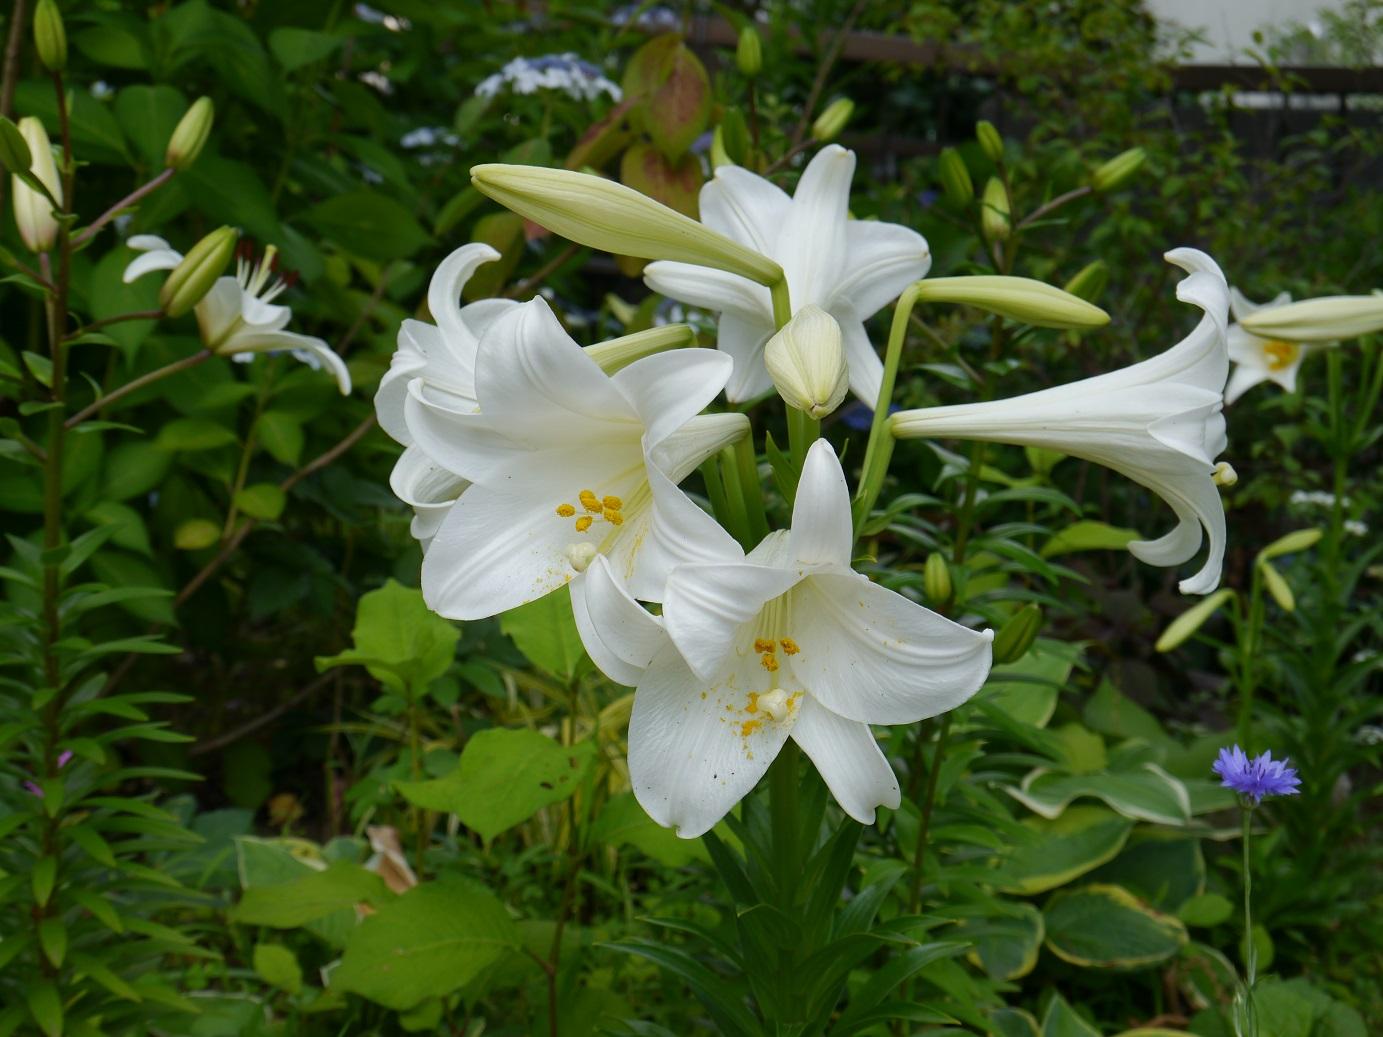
1228,25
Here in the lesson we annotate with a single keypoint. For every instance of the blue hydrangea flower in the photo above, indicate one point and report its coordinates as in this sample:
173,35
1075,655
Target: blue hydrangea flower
1256,777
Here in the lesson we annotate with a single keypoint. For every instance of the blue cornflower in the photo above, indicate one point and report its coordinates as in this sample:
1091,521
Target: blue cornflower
1256,777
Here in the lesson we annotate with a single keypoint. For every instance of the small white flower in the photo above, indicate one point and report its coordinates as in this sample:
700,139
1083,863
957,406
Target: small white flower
1356,528
565,73
1260,359
1159,422
849,268
238,317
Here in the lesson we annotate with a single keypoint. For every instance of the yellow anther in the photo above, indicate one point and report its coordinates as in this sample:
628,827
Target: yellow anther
613,516
789,646
584,523
769,662
1281,355
762,645
590,501
612,503
566,510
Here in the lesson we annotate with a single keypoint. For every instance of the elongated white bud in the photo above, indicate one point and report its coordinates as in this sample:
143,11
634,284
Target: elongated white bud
806,360
1017,298
33,213
1318,320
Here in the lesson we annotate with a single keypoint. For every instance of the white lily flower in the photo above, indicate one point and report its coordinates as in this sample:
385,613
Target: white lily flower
849,268
787,642
238,317
1159,422
1257,359
568,462
442,357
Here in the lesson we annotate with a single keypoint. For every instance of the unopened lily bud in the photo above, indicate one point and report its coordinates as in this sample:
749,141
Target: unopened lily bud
1298,540
806,360
735,136
1277,586
1089,283
14,149
50,38
193,277
749,53
1016,636
1118,170
1190,621
1224,474
936,579
829,123
1318,320
600,213
190,135
955,178
994,222
990,142
33,212
623,351
1017,298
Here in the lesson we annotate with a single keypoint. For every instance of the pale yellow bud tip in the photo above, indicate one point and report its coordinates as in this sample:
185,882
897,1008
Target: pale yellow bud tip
806,360
1224,474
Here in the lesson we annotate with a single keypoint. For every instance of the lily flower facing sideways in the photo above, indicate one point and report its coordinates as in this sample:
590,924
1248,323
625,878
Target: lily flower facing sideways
238,317
849,268
786,642
1159,422
566,463
1258,359
442,356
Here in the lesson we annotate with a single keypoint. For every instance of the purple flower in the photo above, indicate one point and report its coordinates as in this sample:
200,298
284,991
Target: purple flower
1256,777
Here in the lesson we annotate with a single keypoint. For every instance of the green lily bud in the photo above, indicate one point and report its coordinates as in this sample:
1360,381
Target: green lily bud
193,277
1318,320
1277,586
600,213
190,135
1017,298
806,360
735,136
14,149
936,579
1298,540
749,53
1016,636
994,209
33,212
955,178
616,353
1089,282
1190,621
50,38
830,122
1118,170
990,142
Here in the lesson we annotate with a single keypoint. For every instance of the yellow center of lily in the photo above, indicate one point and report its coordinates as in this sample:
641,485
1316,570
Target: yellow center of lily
1280,355
607,509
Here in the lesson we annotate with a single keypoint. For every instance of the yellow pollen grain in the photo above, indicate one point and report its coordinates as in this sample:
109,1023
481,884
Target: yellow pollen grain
590,501
789,646
565,510
763,645
584,523
749,727
769,662
612,516
753,706
613,503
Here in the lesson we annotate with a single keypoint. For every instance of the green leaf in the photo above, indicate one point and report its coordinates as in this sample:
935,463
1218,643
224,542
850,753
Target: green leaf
262,501
426,943
192,434
622,822
1166,872
45,1006
293,48
1107,927
148,115
504,778
1062,1020
196,534
545,632
42,877
133,469
1299,1009
282,435
368,224
1205,910
402,642
1089,535
1147,793
1027,689
277,966
1114,714
1079,840
1006,944
310,896
52,937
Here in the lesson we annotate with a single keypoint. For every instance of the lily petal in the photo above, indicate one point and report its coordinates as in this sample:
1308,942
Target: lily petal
428,488
705,606
698,439
849,759
881,260
822,533
444,290
267,341
666,390
812,243
158,259
710,289
866,369
620,636
744,340
745,207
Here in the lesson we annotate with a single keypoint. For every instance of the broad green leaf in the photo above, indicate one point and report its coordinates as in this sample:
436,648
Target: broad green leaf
1089,535
282,435
1079,840
310,896
231,192
1027,689
109,296
504,778
262,501
1114,714
148,115
193,434
1062,1020
1107,927
1082,751
545,632
426,943
1147,793
293,48
368,224
133,469
1205,910
1165,872
278,966
402,642
1006,944
45,1006
196,534
273,862
1013,1022
622,822
1299,1009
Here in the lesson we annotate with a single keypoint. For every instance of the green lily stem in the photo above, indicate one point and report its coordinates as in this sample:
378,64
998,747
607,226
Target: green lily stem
751,489
736,518
928,802
803,431
879,449
782,776
782,303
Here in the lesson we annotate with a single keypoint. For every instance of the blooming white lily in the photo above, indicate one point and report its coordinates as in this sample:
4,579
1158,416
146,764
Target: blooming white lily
238,317
1258,359
567,463
849,268
787,642
1159,422
442,357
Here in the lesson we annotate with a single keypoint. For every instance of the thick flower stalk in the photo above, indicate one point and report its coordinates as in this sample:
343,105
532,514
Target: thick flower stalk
1256,358
786,642
567,463
238,317
849,268
1159,422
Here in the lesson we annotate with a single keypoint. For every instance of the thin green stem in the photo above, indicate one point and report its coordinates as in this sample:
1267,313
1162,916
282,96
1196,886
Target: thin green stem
96,406
736,519
751,488
783,804
925,824
782,303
